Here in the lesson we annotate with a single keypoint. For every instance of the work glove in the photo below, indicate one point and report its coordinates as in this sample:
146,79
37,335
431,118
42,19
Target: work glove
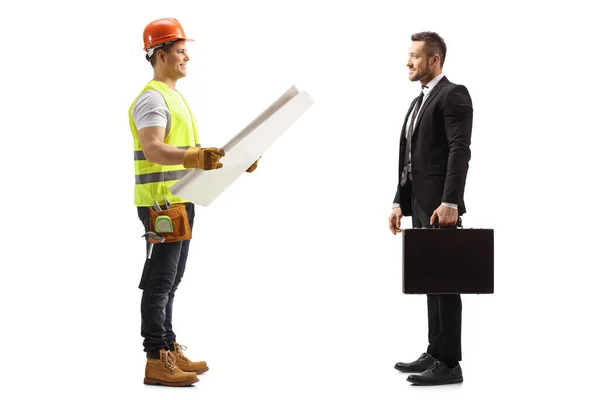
203,157
253,166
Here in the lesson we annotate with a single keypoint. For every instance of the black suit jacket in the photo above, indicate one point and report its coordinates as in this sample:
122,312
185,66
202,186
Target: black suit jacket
440,149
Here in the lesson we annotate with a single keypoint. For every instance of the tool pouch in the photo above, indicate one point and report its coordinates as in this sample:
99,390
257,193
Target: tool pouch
172,224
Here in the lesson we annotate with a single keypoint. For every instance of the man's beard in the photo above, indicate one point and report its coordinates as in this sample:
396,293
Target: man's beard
421,75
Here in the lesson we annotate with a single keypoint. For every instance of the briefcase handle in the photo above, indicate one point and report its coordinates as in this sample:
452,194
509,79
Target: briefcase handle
436,224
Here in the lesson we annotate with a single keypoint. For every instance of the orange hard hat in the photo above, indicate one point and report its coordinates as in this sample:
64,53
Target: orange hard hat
162,31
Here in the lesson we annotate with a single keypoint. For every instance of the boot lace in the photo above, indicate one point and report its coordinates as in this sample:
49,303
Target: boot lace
169,360
179,349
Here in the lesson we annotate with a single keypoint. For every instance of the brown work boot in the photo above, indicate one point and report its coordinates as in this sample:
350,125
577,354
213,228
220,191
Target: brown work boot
164,371
199,367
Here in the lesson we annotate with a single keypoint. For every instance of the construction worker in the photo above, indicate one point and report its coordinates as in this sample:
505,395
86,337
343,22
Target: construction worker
166,145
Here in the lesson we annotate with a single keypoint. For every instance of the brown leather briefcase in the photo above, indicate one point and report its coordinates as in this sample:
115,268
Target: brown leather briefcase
447,260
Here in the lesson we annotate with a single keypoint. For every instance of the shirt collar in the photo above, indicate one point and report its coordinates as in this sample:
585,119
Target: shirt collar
432,84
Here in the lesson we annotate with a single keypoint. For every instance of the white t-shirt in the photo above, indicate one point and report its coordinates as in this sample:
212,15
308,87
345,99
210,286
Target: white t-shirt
150,109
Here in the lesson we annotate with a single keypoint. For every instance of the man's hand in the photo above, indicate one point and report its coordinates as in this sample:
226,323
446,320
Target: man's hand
253,166
394,220
447,216
203,157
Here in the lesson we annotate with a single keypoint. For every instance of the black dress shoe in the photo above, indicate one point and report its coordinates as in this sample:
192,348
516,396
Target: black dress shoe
438,374
421,364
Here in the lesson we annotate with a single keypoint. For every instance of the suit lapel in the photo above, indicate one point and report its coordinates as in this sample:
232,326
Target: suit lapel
430,98
412,105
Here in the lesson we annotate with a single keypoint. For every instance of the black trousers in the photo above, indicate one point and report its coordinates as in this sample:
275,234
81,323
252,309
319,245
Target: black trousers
443,310
160,280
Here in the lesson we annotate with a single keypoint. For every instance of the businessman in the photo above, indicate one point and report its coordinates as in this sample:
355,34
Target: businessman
434,159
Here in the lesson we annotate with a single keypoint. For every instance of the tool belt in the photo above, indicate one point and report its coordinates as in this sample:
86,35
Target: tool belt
170,225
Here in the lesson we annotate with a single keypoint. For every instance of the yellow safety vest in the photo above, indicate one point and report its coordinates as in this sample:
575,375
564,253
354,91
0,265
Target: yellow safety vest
152,181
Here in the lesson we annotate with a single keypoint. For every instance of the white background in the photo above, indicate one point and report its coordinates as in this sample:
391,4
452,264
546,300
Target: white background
293,284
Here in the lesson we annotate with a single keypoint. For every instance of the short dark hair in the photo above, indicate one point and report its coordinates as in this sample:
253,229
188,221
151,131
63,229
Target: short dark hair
164,47
434,44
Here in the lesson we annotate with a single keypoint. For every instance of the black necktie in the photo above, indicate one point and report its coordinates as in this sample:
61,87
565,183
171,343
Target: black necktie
406,167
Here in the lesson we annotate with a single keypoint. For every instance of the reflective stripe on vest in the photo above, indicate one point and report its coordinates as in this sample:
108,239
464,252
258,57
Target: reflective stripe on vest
139,154
154,177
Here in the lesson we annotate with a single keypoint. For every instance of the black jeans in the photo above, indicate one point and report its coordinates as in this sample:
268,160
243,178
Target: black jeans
163,274
443,310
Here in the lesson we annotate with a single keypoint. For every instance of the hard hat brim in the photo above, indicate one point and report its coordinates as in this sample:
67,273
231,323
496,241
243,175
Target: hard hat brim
167,41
